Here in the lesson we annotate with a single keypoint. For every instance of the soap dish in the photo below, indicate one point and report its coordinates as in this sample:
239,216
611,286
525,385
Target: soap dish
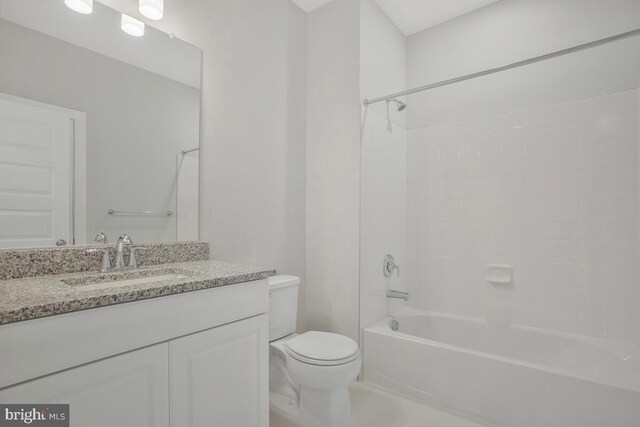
499,274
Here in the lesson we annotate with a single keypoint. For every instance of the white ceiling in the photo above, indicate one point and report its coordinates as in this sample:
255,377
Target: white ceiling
412,16
309,5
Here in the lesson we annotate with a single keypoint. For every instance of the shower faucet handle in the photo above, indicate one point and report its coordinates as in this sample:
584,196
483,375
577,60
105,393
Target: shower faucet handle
388,265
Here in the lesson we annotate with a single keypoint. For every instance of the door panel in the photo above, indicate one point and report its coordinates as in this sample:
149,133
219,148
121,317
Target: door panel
35,175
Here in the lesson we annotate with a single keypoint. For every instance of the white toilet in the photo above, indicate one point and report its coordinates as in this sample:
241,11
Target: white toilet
309,374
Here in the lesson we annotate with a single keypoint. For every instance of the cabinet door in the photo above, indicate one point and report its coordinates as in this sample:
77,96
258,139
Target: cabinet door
129,390
219,377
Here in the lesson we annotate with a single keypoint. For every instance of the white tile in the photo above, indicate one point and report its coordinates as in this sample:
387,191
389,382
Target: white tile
561,320
624,153
593,228
622,178
490,146
622,328
468,149
622,229
513,142
421,154
550,205
531,316
621,304
552,189
594,204
595,108
596,132
624,128
553,160
552,274
593,180
513,163
552,138
449,170
595,156
447,151
624,103
478,127
623,203
552,182
488,166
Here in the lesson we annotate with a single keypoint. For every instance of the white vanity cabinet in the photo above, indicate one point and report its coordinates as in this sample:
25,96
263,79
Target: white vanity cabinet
131,389
197,359
218,377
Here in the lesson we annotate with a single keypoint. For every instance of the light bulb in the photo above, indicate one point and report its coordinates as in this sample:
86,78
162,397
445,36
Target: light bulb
132,26
80,6
152,9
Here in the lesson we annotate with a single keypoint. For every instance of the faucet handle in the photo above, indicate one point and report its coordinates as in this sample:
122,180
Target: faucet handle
388,265
106,258
133,262
101,238
126,239
106,261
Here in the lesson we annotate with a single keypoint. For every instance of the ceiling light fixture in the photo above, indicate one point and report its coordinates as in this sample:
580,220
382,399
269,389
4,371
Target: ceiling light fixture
132,26
80,6
152,9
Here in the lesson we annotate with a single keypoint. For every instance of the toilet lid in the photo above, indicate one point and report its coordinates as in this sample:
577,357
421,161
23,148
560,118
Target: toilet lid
322,348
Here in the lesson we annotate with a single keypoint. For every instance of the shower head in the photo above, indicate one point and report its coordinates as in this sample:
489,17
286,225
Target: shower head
401,105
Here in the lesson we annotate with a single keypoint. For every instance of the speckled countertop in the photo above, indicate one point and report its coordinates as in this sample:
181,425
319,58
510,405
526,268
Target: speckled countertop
34,297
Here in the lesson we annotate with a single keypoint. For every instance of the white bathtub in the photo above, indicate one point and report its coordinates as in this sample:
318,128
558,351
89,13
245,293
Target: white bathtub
506,375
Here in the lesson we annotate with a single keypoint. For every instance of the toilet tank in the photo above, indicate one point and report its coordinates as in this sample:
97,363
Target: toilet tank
283,305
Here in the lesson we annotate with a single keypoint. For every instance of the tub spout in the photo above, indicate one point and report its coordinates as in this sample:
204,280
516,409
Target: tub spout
397,294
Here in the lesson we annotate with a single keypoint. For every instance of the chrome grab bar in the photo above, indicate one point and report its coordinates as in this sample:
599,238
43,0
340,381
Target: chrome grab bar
138,213
391,293
183,152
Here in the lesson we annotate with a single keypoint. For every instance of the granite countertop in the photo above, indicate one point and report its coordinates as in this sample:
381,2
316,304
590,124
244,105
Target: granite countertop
34,297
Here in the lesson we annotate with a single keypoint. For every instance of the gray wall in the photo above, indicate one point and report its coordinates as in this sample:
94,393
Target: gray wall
252,182
333,167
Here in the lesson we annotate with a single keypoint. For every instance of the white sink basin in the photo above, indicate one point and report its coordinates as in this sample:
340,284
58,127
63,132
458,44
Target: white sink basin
127,282
127,278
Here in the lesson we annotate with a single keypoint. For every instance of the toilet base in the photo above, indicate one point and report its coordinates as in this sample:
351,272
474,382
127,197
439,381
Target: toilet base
325,408
284,405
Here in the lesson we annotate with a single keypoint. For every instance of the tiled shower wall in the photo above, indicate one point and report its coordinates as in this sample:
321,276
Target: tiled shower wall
551,190
383,214
383,167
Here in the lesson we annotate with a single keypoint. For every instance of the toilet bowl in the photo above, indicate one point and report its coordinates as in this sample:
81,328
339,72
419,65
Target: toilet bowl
309,374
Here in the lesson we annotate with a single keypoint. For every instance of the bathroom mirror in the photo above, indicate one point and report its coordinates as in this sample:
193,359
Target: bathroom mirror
99,129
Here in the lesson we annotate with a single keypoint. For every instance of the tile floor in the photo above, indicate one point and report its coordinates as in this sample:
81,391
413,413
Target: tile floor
373,407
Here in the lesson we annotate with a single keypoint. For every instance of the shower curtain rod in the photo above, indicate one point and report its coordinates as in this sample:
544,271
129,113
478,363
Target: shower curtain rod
507,67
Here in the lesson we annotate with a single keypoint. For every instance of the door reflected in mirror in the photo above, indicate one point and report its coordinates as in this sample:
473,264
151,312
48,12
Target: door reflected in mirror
99,130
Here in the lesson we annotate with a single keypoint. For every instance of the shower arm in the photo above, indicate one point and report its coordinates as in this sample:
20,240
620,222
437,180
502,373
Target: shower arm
513,65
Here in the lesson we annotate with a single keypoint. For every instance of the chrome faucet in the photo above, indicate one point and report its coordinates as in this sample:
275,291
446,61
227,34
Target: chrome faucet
397,294
122,240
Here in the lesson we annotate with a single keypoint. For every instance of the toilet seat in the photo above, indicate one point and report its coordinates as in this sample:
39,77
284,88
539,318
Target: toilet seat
322,349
